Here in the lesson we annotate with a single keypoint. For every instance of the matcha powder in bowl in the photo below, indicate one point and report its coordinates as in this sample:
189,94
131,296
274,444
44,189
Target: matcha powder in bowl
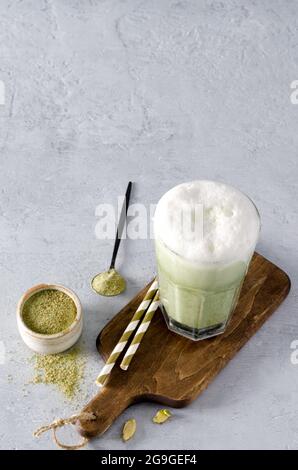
49,312
50,318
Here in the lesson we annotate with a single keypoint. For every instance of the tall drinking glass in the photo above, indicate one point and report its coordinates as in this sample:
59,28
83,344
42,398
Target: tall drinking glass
202,264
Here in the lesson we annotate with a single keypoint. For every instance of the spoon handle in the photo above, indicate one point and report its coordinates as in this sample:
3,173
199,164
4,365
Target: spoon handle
121,224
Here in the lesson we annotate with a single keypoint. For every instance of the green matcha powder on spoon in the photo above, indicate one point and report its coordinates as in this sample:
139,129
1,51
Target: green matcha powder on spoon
110,282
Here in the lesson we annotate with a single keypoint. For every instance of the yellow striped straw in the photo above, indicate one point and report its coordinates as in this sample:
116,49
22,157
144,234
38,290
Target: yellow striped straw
106,370
140,332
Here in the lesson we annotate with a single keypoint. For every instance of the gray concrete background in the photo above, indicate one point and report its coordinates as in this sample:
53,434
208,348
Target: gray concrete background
159,92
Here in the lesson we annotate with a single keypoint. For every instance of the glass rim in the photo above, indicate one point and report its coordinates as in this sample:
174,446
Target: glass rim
227,261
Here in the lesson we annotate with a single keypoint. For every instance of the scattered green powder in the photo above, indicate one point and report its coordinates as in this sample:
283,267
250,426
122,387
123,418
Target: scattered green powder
49,311
109,283
65,370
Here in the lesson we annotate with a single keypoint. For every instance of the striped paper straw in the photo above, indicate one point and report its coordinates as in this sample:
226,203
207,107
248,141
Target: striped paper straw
140,332
106,370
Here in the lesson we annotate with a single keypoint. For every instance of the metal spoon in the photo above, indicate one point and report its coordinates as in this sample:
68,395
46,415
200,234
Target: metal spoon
110,282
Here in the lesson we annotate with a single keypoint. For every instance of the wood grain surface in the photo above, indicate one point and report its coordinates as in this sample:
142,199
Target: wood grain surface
171,369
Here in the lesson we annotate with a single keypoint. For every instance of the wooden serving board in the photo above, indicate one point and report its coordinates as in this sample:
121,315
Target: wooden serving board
171,369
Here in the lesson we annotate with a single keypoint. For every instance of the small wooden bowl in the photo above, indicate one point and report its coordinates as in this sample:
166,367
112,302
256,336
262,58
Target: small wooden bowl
58,342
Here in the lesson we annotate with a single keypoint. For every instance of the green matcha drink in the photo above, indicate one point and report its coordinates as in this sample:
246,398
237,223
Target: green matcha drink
205,235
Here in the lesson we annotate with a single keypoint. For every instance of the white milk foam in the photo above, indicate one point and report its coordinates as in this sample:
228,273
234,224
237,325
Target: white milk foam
229,220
